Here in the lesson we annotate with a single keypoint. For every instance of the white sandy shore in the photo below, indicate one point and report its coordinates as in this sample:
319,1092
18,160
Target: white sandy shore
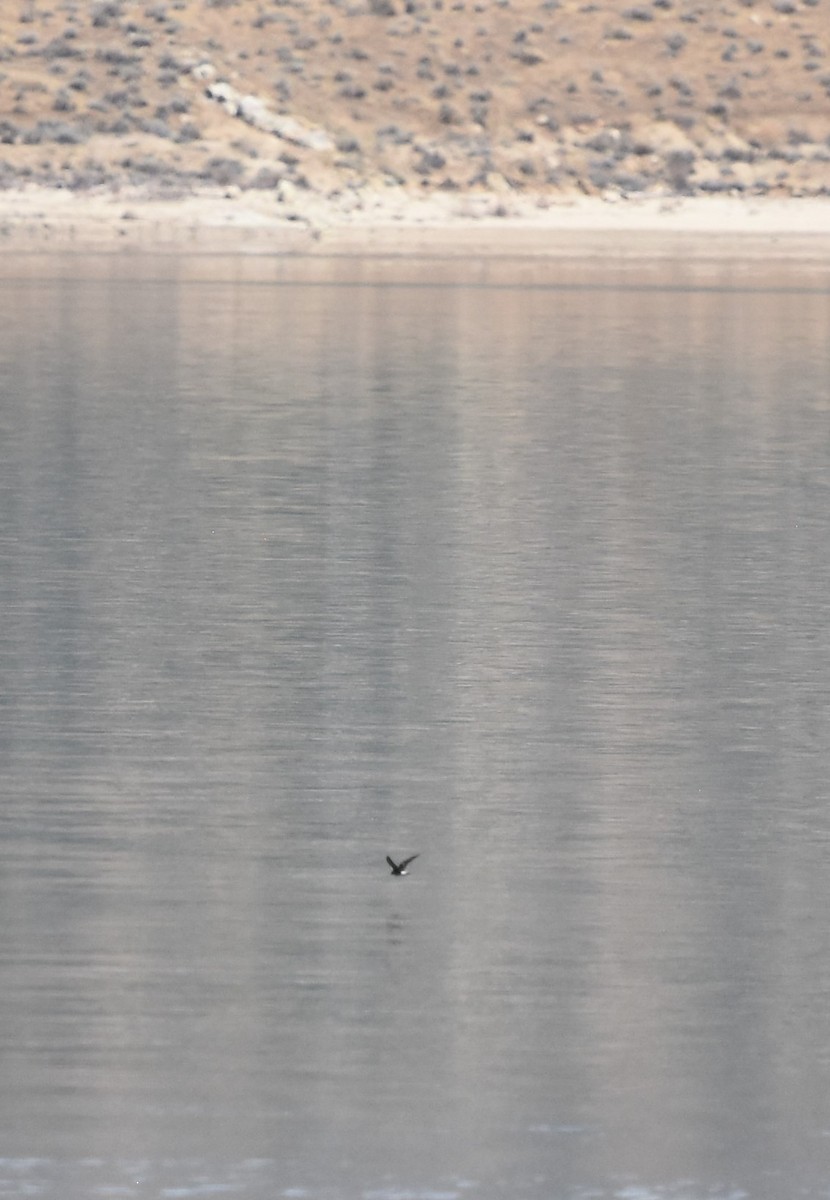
395,223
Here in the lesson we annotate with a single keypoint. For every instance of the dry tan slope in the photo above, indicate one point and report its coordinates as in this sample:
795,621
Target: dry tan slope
449,94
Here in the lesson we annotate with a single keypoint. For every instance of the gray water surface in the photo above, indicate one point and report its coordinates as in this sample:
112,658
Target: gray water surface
528,573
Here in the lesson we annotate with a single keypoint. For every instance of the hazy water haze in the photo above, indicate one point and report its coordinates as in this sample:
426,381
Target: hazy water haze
524,572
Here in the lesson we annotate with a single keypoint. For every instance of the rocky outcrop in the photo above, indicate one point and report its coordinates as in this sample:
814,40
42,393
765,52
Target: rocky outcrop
254,111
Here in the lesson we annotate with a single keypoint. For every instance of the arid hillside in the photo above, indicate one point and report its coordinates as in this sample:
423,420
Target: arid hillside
331,95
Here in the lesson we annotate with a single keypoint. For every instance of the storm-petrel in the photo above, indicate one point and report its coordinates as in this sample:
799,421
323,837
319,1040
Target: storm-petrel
400,868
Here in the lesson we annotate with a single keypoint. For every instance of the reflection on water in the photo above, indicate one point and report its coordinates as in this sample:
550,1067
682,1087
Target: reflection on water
298,572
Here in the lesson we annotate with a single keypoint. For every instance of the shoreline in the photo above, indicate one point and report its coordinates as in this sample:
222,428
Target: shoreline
393,223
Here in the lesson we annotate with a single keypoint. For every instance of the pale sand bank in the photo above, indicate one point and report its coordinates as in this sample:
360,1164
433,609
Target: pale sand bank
392,223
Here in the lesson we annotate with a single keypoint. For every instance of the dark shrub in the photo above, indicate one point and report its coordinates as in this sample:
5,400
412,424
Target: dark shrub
223,171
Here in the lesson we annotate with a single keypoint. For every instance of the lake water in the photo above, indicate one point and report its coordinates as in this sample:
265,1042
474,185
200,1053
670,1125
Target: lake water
525,568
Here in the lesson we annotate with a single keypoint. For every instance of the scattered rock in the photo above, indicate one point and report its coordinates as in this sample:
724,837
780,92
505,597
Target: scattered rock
254,111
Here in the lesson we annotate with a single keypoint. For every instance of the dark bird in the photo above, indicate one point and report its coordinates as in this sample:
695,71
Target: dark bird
400,868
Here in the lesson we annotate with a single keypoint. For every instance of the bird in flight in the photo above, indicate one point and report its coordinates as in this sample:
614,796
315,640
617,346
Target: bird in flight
400,868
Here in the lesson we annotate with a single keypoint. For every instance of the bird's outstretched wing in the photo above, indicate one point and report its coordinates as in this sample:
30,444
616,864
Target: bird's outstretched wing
394,866
407,861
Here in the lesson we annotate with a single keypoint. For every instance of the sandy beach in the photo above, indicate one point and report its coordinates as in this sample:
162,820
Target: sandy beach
394,223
